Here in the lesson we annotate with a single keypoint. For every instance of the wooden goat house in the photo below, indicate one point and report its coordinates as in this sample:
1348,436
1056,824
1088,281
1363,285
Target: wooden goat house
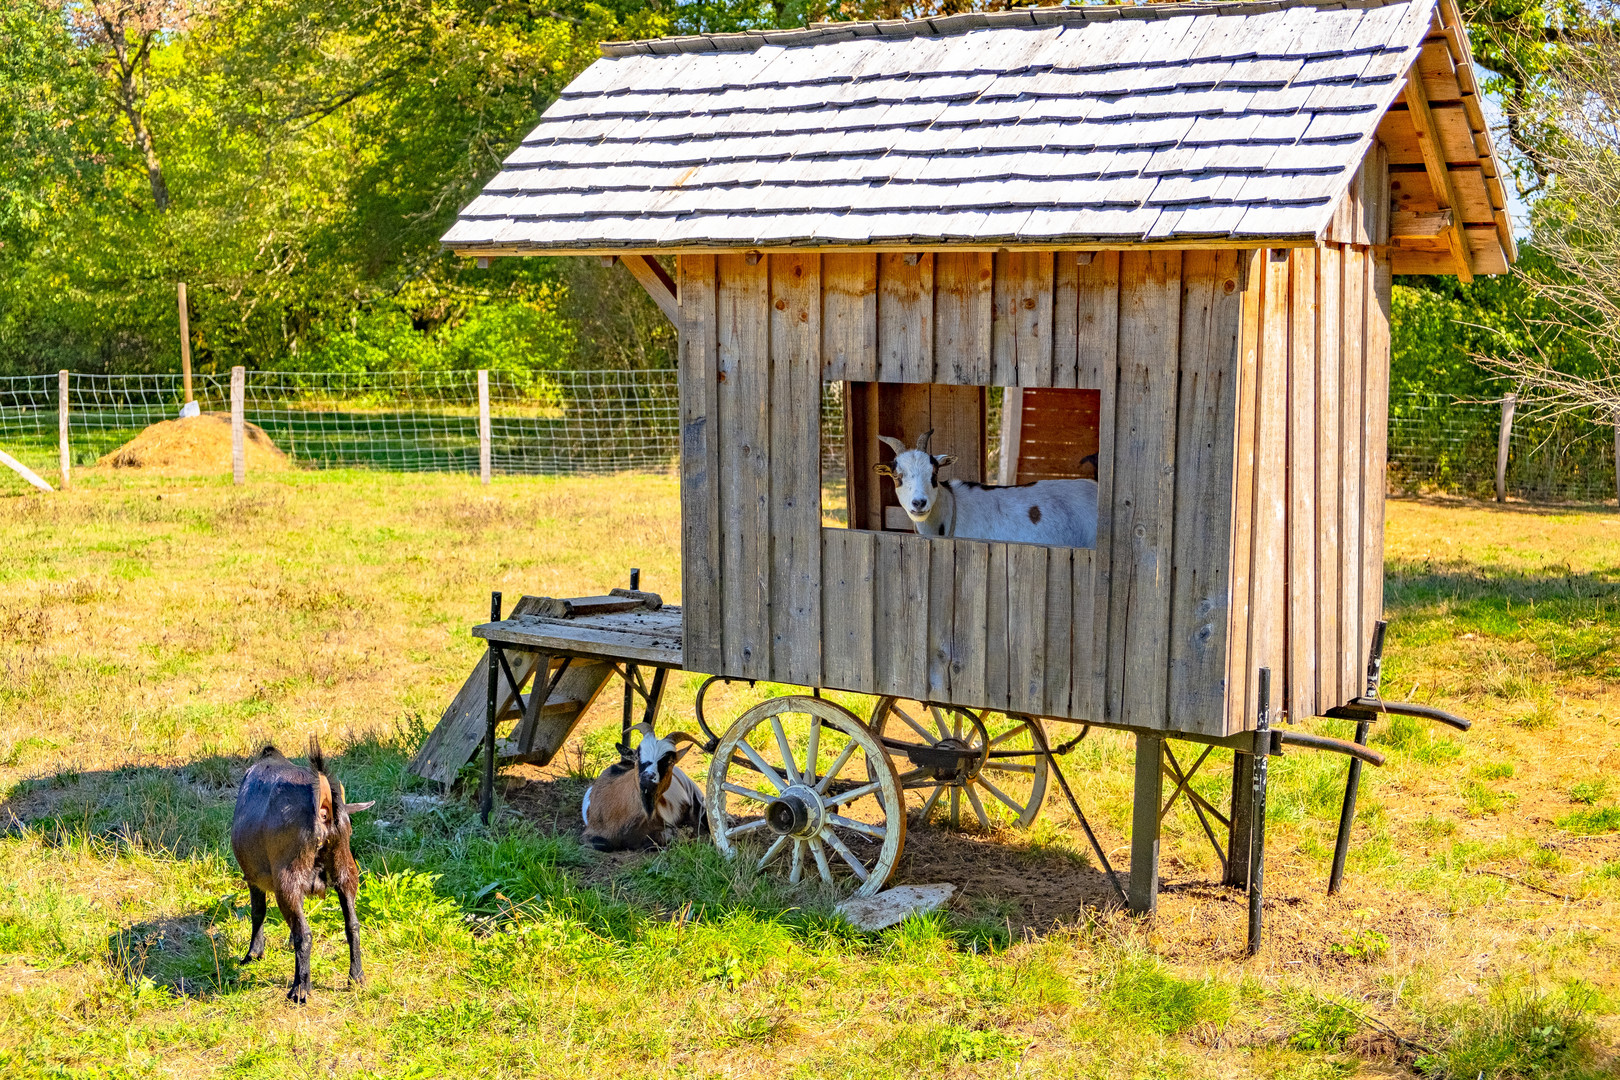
1180,289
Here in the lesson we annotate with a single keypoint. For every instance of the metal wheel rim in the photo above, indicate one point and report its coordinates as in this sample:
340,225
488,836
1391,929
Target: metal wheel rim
826,847
978,799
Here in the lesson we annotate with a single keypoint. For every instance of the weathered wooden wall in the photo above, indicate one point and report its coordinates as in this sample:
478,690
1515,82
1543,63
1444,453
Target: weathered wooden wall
1315,479
1237,397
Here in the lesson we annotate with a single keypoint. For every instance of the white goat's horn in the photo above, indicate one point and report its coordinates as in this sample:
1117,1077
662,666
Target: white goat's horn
893,444
922,440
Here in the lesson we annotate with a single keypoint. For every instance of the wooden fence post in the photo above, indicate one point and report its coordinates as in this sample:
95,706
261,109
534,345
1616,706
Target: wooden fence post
483,426
62,424
185,342
1502,435
238,424
1617,453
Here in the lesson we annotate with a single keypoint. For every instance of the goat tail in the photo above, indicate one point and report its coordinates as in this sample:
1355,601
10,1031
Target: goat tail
317,760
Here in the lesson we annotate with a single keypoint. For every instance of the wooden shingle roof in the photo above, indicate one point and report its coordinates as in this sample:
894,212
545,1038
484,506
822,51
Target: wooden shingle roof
1177,123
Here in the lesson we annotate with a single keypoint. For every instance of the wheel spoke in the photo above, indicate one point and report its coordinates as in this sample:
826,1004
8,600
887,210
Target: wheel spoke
956,724
837,766
759,763
746,827
787,754
956,807
770,852
978,807
929,805
854,793
844,853
918,728
821,859
1005,735
747,793
1002,765
939,722
857,826
811,751
798,862
1002,795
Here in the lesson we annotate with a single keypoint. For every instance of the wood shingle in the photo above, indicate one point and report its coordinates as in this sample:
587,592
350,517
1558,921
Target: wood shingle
1237,123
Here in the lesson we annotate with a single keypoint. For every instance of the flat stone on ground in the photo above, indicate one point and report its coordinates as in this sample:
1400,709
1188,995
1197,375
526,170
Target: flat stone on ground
894,905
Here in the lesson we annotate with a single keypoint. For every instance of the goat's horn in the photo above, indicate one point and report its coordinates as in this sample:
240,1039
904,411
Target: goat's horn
922,440
893,444
681,736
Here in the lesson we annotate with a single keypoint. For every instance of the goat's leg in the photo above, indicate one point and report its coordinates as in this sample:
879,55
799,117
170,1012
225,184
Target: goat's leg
292,909
256,943
351,930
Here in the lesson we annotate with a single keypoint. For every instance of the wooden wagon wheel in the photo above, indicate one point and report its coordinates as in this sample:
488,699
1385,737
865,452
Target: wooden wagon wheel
1005,772
807,779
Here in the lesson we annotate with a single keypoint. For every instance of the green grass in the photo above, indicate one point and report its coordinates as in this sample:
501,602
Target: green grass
149,645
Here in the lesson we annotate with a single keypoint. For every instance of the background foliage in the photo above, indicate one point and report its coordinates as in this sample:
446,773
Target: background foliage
311,152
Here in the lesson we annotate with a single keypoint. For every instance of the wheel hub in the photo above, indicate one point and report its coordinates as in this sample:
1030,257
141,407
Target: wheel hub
796,812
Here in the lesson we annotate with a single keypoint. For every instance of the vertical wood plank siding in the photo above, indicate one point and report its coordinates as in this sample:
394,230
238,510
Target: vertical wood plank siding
700,466
744,373
1241,433
794,596
1200,602
1143,505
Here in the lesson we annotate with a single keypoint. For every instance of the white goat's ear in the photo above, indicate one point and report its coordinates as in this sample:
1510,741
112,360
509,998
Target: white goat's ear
356,807
682,753
893,444
882,469
944,460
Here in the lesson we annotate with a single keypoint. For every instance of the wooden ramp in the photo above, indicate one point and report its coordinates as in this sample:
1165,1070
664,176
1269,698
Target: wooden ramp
536,739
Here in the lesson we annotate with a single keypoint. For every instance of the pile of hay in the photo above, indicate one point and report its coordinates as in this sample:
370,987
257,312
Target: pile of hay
197,444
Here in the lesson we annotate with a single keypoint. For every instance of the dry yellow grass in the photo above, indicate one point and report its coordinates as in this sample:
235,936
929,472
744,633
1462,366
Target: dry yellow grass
154,630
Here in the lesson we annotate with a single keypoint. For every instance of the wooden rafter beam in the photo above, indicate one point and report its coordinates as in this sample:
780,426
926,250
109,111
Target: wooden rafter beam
647,270
1434,161
1411,225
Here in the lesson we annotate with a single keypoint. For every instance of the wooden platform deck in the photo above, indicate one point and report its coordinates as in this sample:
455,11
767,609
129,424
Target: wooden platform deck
543,635
643,637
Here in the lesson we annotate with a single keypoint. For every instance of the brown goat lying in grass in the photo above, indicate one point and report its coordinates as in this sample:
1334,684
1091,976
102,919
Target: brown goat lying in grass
290,833
641,799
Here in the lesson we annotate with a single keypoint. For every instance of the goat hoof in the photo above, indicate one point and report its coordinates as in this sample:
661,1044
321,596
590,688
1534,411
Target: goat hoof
299,994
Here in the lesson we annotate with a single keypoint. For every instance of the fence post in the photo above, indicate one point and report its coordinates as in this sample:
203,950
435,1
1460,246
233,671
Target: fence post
483,425
62,424
238,424
1502,434
1617,453
185,341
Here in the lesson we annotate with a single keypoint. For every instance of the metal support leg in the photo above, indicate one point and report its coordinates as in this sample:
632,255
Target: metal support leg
655,697
631,675
486,794
1145,823
1257,849
1352,784
1240,833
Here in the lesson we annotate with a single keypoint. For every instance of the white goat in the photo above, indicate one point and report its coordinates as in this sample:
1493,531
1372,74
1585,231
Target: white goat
1058,513
640,800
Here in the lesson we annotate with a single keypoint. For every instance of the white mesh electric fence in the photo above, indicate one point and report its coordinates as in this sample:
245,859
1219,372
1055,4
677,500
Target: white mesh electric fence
613,421
1439,444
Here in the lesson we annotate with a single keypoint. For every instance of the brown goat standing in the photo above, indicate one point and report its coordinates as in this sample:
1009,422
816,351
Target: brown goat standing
290,833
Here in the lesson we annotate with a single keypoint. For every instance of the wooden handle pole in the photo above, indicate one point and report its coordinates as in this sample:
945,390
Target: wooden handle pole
62,425
1504,433
185,342
238,424
483,426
